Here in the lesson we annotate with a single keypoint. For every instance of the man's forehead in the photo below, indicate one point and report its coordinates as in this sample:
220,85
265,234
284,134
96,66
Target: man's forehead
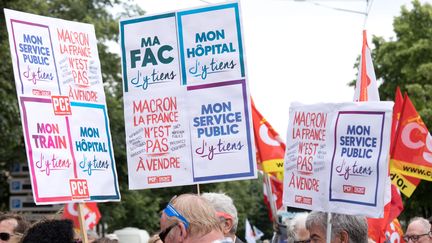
9,224
316,231
416,226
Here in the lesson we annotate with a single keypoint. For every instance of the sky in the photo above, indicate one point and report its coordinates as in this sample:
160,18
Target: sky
298,51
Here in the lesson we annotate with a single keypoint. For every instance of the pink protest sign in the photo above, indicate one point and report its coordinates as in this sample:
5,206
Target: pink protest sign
63,110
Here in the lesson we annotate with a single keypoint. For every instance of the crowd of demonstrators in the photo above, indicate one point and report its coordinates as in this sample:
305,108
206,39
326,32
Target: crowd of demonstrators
344,228
297,229
419,230
210,218
227,213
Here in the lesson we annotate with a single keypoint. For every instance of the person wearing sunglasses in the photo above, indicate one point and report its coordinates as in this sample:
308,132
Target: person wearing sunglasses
419,230
189,218
345,228
226,212
12,227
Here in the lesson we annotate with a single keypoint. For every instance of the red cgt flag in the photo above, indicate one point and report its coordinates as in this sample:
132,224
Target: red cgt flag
406,184
367,90
270,148
91,214
270,156
377,226
412,155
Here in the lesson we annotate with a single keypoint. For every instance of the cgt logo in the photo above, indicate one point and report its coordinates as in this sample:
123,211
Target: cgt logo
79,188
413,137
61,105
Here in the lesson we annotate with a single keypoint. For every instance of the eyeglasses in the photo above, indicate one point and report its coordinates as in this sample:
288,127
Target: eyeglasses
5,236
163,234
170,211
414,238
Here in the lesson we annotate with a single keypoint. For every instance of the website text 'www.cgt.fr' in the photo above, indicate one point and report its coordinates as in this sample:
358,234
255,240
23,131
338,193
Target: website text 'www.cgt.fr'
418,171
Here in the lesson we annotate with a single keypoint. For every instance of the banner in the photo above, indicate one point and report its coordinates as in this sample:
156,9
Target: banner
270,147
187,102
406,184
336,157
412,155
62,103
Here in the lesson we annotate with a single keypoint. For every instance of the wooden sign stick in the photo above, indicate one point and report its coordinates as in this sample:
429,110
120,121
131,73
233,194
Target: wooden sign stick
83,228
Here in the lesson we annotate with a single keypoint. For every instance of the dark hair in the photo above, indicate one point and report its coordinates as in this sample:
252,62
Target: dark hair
23,224
50,231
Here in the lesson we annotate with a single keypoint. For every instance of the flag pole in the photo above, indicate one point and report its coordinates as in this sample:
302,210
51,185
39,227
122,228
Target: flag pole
329,227
198,189
270,197
83,227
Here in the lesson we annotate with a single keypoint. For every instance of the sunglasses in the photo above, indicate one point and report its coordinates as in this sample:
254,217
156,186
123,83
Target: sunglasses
170,211
5,236
163,234
413,238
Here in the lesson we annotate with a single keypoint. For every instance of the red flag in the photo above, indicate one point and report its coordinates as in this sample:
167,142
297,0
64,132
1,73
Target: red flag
367,90
277,193
366,85
270,147
406,184
397,110
91,214
412,155
377,226
270,156
394,232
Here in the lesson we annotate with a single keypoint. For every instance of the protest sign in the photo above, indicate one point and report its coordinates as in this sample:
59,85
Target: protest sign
187,110
336,155
63,110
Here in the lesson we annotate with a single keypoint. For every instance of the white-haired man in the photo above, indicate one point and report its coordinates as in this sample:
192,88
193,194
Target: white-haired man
227,213
189,218
344,228
297,228
419,230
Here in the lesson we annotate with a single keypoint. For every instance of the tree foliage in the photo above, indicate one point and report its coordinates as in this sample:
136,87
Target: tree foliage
406,62
137,208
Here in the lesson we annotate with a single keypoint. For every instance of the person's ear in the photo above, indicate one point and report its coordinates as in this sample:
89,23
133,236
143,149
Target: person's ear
182,232
344,238
227,225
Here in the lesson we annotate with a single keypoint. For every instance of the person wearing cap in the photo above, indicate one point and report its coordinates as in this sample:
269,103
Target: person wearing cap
189,218
227,213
